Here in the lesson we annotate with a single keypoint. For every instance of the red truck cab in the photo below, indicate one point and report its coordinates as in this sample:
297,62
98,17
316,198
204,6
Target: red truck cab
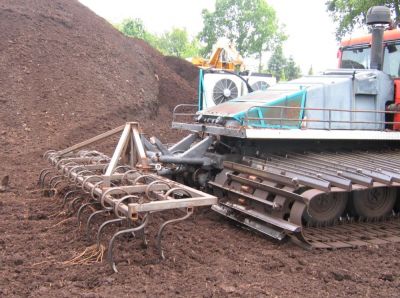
355,53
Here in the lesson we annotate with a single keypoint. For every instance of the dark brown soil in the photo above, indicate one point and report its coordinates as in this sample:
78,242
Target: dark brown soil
66,75
184,68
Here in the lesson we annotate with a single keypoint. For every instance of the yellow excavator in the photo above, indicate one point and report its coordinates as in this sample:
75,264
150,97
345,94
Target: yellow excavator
224,56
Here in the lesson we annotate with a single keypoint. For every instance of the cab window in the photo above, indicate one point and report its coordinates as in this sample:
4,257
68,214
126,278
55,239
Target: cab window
356,58
359,58
391,60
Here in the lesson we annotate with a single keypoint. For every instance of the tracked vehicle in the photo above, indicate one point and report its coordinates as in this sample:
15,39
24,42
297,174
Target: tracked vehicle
316,159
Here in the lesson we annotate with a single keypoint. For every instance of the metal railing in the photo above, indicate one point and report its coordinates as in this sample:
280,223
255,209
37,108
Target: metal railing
176,112
302,121
330,116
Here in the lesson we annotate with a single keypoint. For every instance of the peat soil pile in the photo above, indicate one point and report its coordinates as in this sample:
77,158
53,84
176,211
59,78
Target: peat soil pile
184,68
68,75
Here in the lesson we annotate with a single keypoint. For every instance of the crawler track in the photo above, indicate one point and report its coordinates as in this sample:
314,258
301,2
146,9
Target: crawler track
321,200
352,234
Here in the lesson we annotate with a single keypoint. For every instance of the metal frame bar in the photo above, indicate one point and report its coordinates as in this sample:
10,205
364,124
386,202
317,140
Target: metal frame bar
78,167
303,109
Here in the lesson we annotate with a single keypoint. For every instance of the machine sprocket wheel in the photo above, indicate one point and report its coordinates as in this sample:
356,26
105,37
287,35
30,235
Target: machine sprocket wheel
325,208
373,203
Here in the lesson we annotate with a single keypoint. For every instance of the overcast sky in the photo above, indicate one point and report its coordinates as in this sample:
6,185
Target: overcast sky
311,31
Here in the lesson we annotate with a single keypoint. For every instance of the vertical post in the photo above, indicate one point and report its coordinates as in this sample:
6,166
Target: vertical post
200,91
117,153
132,156
139,146
329,118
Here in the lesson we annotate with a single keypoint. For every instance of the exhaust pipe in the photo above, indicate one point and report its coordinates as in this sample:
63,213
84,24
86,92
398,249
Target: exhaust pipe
377,17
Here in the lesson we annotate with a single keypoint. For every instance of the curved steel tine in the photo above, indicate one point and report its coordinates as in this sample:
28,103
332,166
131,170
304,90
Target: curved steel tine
141,233
55,178
162,227
48,152
90,219
145,242
80,210
71,207
41,174
104,224
44,178
67,195
130,226
59,182
111,243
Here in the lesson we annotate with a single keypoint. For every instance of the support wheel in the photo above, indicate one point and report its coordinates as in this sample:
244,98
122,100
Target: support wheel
373,203
325,208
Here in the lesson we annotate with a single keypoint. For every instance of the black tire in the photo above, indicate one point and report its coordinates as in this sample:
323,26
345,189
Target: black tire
373,203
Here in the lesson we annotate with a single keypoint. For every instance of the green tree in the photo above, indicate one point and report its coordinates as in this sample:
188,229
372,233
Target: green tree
277,63
251,24
281,68
133,28
311,71
193,49
292,70
177,43
349,14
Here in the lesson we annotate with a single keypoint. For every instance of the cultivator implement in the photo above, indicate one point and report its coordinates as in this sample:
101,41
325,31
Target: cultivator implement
125,187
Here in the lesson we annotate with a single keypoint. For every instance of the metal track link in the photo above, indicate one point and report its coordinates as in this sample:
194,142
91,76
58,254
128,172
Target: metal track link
354,234
277,195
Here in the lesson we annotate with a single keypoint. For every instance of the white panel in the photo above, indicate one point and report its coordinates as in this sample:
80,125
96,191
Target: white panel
270,81
320,134
211,79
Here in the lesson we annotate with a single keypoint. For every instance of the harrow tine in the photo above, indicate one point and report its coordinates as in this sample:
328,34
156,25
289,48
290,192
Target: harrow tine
42,172
60,182
83,206
54,179
111,243
48,153
68,194
90,219
71,206
43,181
162,227
145,242
141,234
104,224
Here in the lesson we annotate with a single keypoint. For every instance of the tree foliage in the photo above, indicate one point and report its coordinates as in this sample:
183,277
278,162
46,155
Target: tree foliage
177,43
310,71
281,68
251,24
133,27
276,64
174,43
349,14
292,70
